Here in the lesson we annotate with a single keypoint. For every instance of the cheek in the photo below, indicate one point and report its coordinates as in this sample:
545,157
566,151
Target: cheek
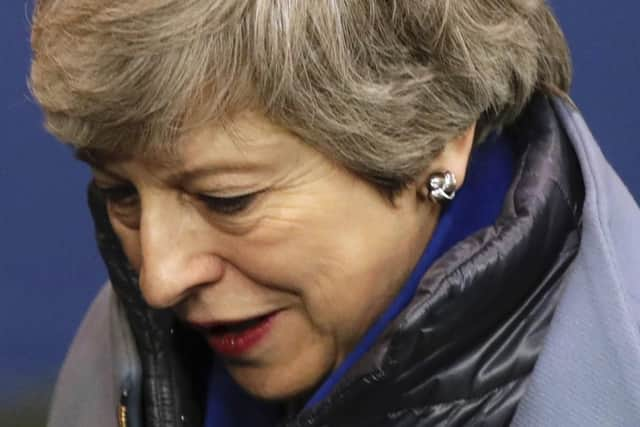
326,269
344,297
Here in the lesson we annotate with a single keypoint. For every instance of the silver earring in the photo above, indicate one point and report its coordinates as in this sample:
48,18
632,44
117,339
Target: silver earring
441,186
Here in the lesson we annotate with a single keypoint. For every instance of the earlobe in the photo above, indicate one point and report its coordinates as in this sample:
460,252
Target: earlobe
447,171
441,187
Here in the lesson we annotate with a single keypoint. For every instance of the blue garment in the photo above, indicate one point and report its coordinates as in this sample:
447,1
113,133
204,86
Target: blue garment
228,405
476,205
587,375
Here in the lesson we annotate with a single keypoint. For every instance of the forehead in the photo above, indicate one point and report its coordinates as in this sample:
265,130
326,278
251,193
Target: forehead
247,139
246,134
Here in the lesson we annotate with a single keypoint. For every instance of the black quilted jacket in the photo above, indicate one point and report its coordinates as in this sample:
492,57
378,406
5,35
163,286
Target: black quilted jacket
459,355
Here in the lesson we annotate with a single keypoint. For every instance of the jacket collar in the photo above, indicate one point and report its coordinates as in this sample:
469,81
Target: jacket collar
465,346
588,373
466,343
477,205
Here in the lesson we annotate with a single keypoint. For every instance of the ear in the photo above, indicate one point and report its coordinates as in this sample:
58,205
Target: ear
453,158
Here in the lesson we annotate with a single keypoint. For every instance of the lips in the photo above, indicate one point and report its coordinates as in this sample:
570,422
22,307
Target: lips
234,339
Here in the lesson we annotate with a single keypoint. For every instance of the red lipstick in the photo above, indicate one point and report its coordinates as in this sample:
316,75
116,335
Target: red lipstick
237,338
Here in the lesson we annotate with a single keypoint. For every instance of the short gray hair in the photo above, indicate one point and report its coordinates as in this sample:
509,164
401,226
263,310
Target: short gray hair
378,85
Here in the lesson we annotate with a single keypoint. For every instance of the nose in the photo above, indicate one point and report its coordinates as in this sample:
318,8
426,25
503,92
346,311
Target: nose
177,253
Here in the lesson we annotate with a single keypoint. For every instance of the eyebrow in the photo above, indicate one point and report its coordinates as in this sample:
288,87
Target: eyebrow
198,172
99,161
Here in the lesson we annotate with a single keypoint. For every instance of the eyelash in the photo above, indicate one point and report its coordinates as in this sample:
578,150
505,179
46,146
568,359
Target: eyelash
228,205
126,196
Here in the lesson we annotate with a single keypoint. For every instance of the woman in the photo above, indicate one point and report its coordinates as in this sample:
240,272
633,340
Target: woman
362,213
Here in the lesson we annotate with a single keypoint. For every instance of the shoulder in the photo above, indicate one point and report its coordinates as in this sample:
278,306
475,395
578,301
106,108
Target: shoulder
102,353
589,371
610,219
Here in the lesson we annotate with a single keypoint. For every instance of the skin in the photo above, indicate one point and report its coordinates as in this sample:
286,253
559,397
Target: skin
314,242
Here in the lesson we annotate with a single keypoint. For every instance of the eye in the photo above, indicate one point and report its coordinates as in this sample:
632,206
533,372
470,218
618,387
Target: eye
120,195
228,205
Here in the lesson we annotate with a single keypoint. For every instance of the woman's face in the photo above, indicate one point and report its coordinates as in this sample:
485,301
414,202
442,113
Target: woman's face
279,256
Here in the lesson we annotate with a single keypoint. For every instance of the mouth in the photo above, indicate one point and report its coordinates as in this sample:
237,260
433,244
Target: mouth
236,338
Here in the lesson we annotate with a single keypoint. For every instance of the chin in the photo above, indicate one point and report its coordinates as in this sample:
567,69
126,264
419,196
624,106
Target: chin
280,385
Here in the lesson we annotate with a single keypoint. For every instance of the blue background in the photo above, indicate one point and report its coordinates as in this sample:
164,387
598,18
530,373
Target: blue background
49,267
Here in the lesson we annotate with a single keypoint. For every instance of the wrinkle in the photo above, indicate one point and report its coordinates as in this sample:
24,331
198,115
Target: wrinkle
463,350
